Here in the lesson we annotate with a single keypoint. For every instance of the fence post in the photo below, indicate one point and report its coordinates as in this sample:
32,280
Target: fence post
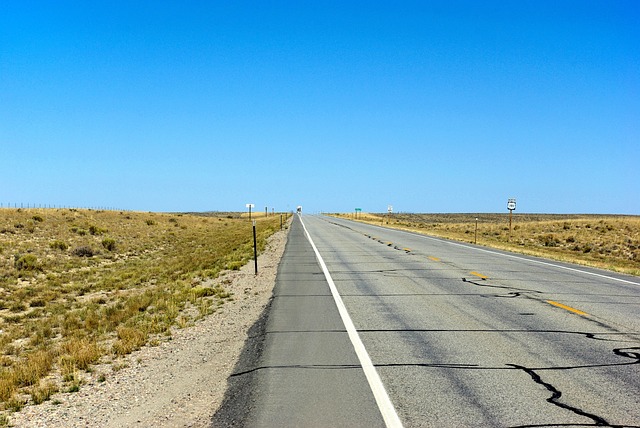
255,247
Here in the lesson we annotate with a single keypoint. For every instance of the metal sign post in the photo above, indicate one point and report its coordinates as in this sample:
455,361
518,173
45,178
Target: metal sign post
250,206
511,205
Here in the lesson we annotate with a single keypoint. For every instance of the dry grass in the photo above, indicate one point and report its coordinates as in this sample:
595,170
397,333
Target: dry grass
603,241
81,286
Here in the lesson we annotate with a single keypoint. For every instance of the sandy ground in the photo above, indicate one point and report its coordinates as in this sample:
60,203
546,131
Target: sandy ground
180,382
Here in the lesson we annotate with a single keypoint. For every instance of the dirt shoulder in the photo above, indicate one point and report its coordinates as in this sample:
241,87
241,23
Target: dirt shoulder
178,383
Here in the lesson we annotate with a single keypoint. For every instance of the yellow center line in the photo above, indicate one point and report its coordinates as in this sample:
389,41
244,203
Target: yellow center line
565,307
479,275
435,259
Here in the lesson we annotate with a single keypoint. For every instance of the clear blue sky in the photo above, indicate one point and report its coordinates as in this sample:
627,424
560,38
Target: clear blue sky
451,106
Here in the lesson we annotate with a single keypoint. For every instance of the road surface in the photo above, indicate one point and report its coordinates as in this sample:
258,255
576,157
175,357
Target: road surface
377,327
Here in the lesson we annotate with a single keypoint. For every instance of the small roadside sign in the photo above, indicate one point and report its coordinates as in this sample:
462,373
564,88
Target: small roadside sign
511,205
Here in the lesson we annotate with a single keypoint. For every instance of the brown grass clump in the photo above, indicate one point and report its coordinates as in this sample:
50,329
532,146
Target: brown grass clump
43,392
78,287
35,366
129,340
603,241
79,354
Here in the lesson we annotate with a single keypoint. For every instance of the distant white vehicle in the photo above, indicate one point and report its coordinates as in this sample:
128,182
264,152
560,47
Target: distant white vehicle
299,210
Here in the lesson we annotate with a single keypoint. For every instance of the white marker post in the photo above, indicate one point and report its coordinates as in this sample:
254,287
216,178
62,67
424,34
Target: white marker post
475,239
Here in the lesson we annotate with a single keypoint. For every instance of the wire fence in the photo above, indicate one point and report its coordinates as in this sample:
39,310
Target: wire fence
23,205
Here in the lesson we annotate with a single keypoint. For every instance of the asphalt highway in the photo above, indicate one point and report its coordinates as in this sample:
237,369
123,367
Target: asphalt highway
444,334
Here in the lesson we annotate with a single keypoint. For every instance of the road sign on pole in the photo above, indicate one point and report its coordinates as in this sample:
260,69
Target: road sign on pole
511,205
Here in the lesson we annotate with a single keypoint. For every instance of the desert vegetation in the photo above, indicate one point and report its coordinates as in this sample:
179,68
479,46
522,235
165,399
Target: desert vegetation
79,287
603,241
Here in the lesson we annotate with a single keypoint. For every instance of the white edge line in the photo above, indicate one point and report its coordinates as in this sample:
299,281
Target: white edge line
513,256
389,414
532,260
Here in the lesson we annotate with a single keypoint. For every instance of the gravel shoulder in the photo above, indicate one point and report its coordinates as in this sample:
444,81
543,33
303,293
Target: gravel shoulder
178,383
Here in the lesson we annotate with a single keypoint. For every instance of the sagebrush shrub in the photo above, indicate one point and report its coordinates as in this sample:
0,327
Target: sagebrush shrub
28,262
109,244
59,245
95,230
549,240
83,251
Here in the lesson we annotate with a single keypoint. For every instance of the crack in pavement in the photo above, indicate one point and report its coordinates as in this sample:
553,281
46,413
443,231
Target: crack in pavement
519,291
633,355
299,366
573,425
557,394
593,336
